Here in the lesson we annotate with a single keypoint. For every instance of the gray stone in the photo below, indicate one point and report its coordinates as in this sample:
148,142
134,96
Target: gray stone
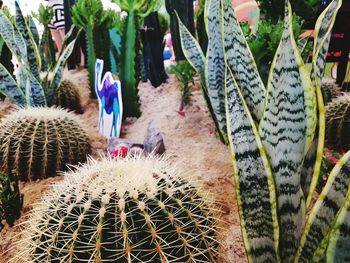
116,143
153,142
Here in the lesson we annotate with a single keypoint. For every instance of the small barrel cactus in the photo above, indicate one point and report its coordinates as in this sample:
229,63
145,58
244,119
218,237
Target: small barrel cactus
330,91
122,210
68,97
37,142
338,124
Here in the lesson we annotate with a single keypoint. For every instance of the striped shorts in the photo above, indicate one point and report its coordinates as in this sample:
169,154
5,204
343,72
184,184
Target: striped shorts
57,21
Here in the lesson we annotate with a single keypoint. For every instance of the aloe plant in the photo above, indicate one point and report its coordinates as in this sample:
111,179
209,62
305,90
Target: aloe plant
130,68
90,16
270,156
28,89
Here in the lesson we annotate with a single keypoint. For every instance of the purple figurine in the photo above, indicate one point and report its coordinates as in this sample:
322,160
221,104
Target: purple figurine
110,102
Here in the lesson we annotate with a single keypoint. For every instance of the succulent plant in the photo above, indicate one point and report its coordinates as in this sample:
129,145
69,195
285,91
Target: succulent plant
134,209
11,200
67,96
37,142
329,91
338,124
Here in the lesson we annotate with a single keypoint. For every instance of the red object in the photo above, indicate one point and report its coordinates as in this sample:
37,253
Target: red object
122,152
333,159
181,113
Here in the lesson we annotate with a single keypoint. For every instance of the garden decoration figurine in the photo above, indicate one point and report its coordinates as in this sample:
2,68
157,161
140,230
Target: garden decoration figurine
109,97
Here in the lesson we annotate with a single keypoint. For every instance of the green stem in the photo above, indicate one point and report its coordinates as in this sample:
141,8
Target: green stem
91,59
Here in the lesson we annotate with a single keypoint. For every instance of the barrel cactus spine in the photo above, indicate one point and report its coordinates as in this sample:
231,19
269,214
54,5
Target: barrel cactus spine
338,124
330,91
68,97
124,210
38,142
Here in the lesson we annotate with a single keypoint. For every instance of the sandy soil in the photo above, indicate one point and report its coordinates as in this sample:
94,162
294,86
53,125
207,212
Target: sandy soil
189,139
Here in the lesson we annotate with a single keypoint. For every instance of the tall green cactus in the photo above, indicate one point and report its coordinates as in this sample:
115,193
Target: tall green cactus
90,16
106,212
130,67
38,142
11,200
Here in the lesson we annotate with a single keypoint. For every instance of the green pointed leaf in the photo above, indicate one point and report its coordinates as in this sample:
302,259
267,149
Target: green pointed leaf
322,35
9,88
241,62
286,130
253,178
35,95
58,71
34,30
32,52
13,38
215,66
339,239
323,31
323,215
191,48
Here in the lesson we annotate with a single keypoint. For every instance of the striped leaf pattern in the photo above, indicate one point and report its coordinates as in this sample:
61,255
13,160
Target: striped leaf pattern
289,118
35,96
323,214
240,60
58,70
32,59
323,29
8,87
215,65
253,179
13,38
191,48
339,241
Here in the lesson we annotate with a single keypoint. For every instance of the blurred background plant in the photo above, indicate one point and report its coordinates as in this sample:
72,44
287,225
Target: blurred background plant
91,16
11,200
329,160
184,73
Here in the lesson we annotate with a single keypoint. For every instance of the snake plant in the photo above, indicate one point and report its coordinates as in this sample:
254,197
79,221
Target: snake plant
46,45
130,68
90,16
275,132
28,89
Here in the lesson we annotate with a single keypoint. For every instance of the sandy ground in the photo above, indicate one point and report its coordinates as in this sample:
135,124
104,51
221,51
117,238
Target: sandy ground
189,139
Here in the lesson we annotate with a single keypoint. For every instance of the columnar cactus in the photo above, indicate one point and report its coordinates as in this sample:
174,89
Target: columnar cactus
122,210
338,124
67,96
37,142
330,91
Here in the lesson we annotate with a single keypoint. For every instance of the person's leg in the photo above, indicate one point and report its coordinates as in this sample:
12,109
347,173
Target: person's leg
57,35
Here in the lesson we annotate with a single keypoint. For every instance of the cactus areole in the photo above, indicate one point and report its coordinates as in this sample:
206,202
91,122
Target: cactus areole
122,210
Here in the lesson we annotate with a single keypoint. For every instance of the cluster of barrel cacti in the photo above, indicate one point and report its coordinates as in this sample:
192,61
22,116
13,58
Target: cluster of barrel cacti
38,142
125,210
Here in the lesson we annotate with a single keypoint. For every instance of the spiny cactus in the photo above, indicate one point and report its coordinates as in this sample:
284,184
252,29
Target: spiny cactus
37,142
329,91
338,124
11,200
122,210
67,96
